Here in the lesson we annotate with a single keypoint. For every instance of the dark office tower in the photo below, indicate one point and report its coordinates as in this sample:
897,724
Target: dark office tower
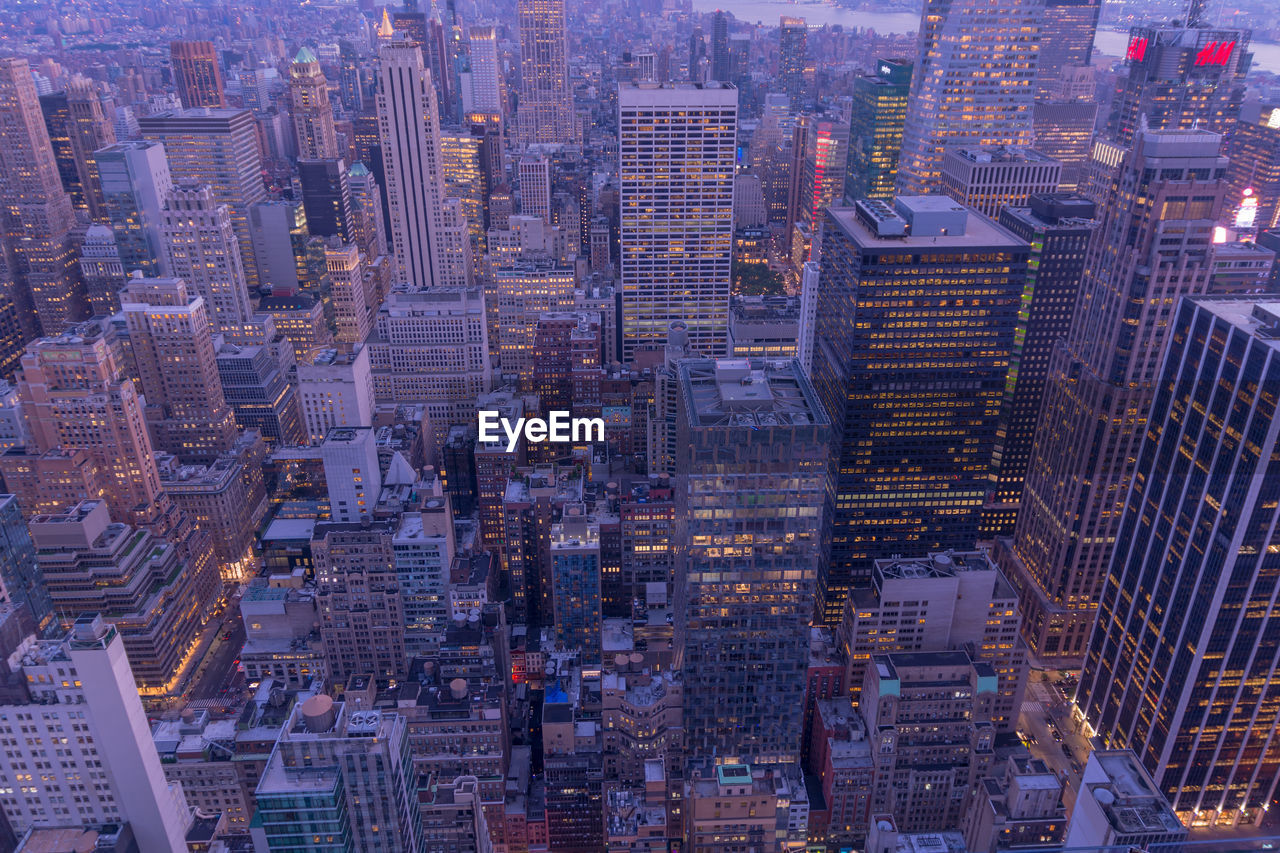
219,148
546,101
1254,174
196,74
875,129
1153,245
90,128
792,57
350,87
973,84
57,120
751,492
37,214
720,48
326,199
1181,664
312,115
19,571
1066,39
410,25
697,52
914,416
1057,226
1181,77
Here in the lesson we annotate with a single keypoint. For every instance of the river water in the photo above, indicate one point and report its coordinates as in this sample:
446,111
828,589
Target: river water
1265,56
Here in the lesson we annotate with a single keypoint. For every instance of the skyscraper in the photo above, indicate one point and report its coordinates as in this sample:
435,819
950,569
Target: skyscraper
1058,227
973,83
19,573
822,171
312,115
677,212
488,87
172,342
428,230
1066,40
1180,661
720,47
89,128
875,131
135,183
196,74
76,395
534,172
201,249
358,598
752,491
218,147
101,270
1255,170
1181,77
792,57
914,417
546,101
989,179
37,212
83,684
1153,245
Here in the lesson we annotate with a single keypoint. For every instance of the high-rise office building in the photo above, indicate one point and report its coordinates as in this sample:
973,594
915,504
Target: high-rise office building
20,577
973,83
429,231
353,305
1180,77
677,212
576,584
925,771
941,602
1067,32
358,599
1153,245
366,197
37,214
488,84
990,179
793,54
76,395
89,127
172,343
720,47
201,248
135,183
894,384
875,131
1064,129
80,689
326,200
1254,174
57,120
534,175
546,112
822,171
197,74
218,147
312,116
1178,664
1058,228
344,773
752,492
158,594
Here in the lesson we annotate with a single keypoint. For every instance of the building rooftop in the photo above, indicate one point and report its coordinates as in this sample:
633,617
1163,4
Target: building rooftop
731,392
